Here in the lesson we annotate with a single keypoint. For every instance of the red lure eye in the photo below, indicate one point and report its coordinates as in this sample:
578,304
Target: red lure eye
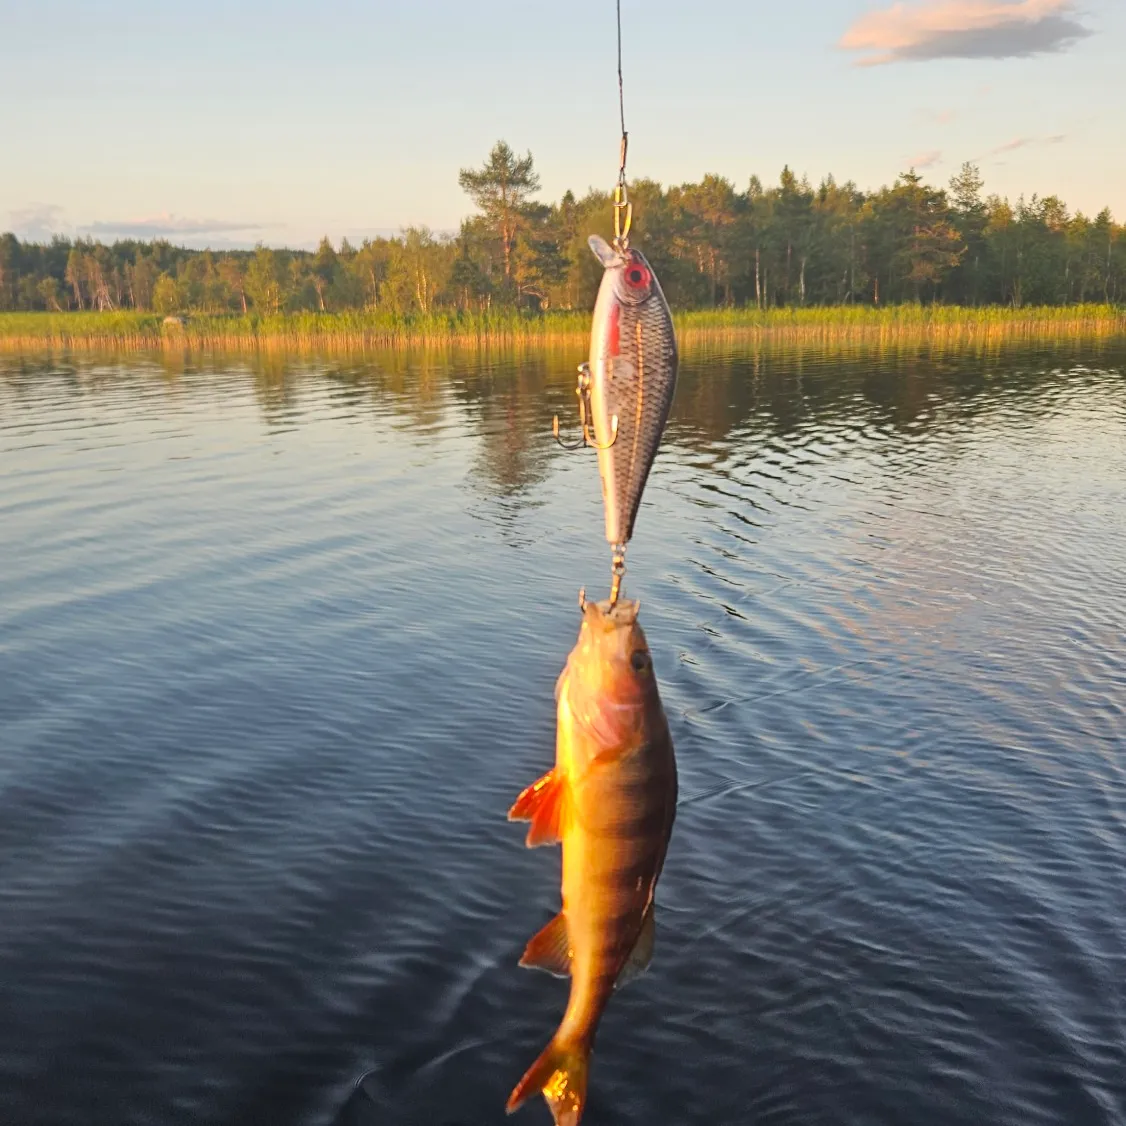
637,276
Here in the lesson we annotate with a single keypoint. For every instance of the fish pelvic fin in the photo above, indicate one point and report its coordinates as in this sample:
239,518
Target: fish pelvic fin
560,1074
541,803
550,948
642,953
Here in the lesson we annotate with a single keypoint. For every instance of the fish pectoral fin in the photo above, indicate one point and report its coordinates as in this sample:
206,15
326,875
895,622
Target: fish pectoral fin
550,948
542,804
642,953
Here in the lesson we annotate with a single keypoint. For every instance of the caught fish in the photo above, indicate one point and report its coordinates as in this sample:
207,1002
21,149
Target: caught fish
610,800
633,365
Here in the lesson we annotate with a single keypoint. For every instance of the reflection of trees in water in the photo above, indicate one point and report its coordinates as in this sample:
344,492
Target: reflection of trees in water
777,392
414,386
505,402
275,388
22,378
508,403
506,398
410,387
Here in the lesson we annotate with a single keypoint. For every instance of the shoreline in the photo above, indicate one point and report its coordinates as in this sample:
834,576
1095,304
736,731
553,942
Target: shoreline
825,326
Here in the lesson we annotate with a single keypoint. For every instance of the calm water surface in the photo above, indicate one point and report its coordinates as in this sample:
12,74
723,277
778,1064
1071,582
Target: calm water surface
277,650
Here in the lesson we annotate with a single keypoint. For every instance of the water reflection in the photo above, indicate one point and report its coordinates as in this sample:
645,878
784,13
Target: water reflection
499,395
500,400
277,645
745,429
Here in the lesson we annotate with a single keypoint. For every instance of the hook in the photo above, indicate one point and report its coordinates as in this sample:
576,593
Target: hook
582,390
566,445
613,436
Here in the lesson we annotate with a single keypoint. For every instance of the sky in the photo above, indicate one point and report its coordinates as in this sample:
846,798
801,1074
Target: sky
238,121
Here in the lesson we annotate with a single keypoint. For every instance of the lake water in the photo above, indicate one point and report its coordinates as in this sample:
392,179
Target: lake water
277,649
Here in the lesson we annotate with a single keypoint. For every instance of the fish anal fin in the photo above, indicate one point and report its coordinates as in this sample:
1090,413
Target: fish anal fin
642,953
541,803
550,948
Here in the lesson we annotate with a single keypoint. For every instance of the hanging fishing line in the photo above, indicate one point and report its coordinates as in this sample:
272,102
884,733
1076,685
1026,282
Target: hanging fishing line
621,92
623,209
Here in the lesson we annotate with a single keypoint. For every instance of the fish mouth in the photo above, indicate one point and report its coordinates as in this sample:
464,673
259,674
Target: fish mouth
608,615
615,614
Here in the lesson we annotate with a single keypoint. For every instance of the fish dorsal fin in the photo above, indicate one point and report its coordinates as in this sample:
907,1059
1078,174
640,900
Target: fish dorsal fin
550,948
642,953
541,803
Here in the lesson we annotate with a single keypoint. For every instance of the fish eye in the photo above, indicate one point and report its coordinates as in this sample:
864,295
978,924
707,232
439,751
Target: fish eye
637,276
640,661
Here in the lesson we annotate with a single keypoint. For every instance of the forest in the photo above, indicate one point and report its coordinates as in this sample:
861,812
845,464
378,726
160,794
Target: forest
712,245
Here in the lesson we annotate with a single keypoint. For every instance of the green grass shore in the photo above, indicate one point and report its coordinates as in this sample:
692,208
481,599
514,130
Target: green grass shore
836,326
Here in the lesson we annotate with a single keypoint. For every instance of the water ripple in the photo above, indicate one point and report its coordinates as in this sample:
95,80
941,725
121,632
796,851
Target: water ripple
277,648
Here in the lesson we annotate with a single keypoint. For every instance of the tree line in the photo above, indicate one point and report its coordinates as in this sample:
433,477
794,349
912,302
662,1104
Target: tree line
711,245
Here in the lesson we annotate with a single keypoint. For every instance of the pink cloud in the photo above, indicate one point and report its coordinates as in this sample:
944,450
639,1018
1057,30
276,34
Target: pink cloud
1015,143
963,29
925,160
1024,142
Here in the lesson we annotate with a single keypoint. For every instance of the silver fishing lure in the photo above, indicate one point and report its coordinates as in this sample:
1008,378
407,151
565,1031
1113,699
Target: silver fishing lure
632,373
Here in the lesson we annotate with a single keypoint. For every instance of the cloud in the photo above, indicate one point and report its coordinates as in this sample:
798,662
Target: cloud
963,29
1025,142
925,160
37,222
166,226
937,116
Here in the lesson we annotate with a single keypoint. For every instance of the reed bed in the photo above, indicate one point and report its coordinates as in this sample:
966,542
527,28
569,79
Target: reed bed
836,327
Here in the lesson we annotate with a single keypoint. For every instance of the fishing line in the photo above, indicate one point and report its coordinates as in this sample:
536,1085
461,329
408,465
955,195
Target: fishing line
621,92
623,209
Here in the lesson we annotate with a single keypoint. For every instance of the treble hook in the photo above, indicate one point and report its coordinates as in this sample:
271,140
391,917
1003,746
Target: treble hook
582,390
567,445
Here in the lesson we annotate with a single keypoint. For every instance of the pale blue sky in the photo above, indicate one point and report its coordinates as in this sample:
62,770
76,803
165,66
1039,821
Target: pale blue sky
228,122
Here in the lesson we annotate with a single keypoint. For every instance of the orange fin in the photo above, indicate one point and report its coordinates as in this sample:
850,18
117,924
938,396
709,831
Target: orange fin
642,954
542,804
561,1074
550,948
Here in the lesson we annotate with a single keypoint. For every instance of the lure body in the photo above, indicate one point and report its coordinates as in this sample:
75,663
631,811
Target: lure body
633,367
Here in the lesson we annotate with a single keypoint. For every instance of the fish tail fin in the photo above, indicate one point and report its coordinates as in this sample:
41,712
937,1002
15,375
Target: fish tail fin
560,1074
